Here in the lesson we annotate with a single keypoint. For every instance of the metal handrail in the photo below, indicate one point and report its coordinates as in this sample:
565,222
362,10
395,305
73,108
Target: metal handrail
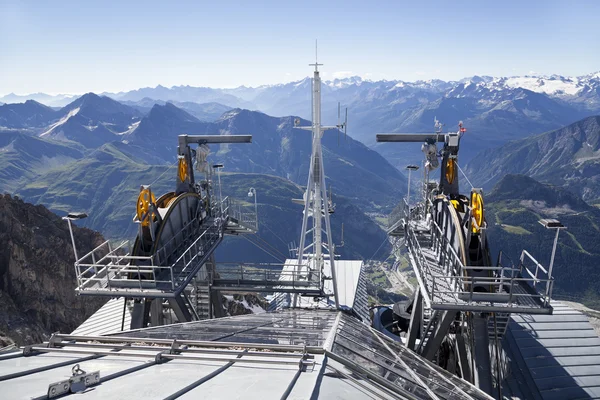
104,269
455,276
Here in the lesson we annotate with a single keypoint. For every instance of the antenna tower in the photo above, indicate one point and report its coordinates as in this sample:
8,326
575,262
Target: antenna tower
315,239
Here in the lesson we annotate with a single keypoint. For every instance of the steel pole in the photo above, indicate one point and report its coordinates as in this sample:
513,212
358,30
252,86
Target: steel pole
256,208
220,193
72,240
552,262
408,193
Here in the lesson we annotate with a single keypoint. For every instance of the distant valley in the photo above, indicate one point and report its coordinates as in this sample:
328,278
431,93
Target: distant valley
94,151
93,154
514,208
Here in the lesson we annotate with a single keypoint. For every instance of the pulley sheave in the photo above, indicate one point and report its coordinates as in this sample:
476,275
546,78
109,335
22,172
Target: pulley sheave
451,170
477,210
182,169
144,200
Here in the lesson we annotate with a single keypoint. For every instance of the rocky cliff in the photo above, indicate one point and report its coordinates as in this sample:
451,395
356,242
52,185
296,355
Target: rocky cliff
37,278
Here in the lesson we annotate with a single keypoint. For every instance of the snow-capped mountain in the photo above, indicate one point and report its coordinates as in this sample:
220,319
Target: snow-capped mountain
495,109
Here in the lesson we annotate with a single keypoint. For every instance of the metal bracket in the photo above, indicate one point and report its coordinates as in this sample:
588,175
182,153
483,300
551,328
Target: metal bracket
28,351
75,384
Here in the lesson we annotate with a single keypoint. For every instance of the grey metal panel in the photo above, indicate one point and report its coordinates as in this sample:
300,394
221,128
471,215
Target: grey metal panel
37,384
108,319
572,393
565,361
21,364
304,387
561,343
156,382
550,326
559,370
540,351
561,353
529,319
561,382
558,334
334,371
333,386
245,382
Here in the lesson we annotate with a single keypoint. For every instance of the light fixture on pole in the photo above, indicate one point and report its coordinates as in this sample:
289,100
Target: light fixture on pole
552,224
410,168
218,167
252,192
73,217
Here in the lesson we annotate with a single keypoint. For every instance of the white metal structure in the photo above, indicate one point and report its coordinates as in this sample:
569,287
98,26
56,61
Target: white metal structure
316,243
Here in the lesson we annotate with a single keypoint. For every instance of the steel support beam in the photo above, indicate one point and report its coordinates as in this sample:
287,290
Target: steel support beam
137,315
213,139
216,304
438,335
463,358
156,313
409,137
416,318
483,367
180,309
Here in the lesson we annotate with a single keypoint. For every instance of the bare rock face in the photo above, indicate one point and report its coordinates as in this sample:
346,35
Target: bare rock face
240,304
37,277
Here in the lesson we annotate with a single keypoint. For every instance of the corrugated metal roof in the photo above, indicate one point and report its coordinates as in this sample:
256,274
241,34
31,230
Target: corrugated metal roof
110,318
557,356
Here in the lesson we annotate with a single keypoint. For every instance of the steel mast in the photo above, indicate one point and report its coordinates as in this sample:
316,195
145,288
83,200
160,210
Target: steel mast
311,256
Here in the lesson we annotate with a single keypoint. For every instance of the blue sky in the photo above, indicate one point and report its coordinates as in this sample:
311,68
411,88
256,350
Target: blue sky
82,46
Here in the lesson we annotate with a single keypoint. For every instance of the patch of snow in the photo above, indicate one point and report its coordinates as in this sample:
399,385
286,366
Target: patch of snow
61,121
132,128
543,85
7,148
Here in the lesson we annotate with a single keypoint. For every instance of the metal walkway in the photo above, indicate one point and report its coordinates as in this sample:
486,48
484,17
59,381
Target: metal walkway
109,271
266,278
443,278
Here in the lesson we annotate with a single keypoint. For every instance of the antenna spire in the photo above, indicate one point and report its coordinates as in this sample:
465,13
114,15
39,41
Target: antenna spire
316,64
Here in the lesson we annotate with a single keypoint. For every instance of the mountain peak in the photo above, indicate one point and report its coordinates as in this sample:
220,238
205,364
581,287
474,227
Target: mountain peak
169,111
96,106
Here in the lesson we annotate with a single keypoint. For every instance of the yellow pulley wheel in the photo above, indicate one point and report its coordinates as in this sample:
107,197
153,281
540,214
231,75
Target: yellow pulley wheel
477,210
182,170
144,200
451,170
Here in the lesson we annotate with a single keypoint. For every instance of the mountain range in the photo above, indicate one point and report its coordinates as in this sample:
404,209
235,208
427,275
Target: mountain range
568,157
93,154
495,110
278,147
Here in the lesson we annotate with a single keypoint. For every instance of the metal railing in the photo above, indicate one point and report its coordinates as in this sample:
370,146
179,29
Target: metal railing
266,276
241,214
449,279
108,270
